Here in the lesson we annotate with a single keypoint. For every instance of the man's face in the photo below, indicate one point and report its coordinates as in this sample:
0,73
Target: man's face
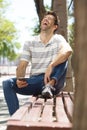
47,22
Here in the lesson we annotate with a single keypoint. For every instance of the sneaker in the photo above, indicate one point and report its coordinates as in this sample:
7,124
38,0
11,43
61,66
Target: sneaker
47,93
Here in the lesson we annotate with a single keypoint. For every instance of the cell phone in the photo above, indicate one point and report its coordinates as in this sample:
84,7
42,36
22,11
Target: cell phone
22,79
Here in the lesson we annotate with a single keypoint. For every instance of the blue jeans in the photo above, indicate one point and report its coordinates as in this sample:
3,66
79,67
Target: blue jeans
35,85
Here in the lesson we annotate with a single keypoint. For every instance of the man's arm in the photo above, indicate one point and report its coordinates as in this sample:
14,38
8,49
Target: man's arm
21,69
20,73
62,56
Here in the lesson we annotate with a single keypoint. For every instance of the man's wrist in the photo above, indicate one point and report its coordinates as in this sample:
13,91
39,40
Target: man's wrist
51,64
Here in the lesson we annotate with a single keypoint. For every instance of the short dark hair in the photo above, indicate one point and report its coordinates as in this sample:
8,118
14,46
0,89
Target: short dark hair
56,18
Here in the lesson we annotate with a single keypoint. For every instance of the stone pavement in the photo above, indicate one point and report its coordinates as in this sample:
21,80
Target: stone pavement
4,115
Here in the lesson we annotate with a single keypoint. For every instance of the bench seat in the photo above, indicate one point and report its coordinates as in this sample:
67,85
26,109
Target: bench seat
39,113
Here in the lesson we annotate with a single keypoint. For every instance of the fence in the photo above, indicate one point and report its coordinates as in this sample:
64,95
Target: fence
11,70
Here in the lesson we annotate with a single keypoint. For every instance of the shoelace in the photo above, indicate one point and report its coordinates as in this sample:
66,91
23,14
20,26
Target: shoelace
49,86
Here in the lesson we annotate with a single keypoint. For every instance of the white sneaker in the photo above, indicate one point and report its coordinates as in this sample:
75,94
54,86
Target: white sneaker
47,93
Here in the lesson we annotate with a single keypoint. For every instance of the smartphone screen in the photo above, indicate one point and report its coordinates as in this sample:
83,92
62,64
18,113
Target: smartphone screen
22,79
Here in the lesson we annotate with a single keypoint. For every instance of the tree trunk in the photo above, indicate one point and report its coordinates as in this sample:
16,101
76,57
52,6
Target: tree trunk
59,6
40,8
80,108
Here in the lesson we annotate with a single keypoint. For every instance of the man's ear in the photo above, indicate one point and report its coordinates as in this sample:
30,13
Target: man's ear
55,27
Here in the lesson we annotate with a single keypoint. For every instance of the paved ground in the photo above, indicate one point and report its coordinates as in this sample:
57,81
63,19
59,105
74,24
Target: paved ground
4,115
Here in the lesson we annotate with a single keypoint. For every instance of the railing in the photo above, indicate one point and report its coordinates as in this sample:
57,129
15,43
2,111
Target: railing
11,70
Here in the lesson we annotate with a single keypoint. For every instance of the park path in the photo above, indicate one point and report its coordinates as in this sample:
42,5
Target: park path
4,115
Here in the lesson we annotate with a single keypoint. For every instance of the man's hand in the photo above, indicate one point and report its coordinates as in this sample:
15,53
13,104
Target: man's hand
21,83
47,74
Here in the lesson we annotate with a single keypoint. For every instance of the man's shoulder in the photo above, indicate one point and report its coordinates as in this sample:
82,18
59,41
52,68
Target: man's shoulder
59,37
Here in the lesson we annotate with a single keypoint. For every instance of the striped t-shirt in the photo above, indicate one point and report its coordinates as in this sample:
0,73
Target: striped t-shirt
41,55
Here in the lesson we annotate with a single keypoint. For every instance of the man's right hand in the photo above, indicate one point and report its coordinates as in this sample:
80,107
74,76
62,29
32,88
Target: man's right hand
21,83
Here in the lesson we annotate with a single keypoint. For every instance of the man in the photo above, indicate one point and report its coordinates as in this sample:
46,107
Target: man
48,54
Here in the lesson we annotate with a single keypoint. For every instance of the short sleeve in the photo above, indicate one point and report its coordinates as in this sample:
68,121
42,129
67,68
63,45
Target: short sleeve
63,44
25,55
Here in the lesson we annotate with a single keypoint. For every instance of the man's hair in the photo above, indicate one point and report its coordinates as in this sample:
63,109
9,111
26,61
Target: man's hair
56,18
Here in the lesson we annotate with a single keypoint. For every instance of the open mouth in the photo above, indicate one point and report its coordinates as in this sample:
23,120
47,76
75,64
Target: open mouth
45,23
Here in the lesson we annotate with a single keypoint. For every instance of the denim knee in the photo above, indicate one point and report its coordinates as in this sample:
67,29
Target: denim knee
59,71
5,84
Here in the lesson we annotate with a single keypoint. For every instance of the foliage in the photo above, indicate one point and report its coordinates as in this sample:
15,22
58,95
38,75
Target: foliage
71,19
71,35
8,43
8,36
36,29
3,6
71,42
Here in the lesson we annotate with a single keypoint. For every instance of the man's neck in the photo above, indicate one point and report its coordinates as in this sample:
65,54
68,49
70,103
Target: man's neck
45,37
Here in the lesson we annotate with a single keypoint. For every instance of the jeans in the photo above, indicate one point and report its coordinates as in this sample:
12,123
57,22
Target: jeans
35,85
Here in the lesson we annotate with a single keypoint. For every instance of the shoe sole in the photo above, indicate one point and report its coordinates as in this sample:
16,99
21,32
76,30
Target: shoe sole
46,95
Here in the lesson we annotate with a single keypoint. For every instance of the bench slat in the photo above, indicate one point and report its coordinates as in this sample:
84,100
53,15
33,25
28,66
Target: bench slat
35,112
38,126
60,112
47,115
20,113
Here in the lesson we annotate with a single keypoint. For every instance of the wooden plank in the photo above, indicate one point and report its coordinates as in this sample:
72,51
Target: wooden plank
21,112
47,115
49,101
18,115
60,112
35,111
21,125
31,100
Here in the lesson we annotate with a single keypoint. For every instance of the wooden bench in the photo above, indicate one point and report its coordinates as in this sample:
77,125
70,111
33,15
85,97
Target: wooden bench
42,114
